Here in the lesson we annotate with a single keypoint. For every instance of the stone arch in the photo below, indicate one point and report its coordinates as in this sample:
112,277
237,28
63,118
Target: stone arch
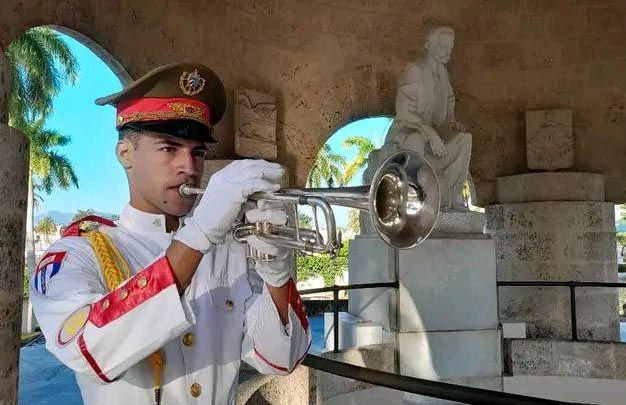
339,127
116,67
14,163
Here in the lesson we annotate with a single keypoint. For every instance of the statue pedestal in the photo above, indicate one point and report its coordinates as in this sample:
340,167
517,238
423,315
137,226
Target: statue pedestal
447,320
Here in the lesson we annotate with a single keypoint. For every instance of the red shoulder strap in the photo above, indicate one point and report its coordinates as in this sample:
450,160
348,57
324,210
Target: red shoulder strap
74,228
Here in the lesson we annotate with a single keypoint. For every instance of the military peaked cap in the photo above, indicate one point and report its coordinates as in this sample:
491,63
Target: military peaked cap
177,91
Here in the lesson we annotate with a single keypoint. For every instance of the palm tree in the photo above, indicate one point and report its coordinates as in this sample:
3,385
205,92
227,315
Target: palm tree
46,227
364,147
327,168
48,169
40,64
80,214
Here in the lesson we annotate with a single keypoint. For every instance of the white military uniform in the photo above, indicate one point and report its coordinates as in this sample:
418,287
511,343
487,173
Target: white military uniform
225,315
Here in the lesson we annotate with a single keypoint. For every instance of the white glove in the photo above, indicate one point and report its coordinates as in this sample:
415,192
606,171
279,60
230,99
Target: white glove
221,203
278,271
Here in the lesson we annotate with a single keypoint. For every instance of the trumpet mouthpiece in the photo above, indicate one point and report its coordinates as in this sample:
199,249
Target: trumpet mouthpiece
187,190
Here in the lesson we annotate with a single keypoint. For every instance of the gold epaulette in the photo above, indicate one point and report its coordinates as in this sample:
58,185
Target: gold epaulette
116,271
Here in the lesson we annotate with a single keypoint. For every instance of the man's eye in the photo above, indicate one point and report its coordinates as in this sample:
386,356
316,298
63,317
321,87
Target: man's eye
167,149
200,153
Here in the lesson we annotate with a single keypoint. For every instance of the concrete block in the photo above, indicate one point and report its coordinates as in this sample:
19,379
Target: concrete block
562,186
514,330
448,284
353,331
568,389
448,355
567,359
551,216
549,139
377,357
454,222
381,395
372,261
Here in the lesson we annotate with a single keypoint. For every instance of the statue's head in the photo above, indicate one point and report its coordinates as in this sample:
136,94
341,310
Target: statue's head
439,43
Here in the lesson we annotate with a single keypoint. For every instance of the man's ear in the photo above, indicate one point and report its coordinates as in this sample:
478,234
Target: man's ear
124,152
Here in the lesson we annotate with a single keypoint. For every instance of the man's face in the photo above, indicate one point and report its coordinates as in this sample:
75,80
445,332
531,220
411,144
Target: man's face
159,164
440,47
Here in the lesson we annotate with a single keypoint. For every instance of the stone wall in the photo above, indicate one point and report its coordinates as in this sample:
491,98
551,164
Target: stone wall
556,241
568,359
328,63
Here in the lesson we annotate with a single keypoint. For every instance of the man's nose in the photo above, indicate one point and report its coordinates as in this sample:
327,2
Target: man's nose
186,163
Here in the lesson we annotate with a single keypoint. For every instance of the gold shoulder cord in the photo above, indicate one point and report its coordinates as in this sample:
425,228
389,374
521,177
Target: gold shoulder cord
116,271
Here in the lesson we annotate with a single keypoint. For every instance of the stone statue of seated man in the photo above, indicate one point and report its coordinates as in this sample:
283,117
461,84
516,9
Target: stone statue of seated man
425,117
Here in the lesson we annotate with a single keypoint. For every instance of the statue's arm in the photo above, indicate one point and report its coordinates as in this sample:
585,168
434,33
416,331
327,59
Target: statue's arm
450,114
412,104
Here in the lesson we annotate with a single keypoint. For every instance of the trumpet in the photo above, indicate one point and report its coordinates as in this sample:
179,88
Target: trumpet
402,201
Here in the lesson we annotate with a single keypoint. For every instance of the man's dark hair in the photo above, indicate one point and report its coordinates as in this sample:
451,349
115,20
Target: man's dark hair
187,129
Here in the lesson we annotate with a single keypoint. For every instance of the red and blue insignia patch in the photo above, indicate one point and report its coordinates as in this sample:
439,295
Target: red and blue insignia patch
48,267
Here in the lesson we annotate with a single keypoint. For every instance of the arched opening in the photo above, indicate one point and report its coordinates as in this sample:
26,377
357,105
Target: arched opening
68,179
340,162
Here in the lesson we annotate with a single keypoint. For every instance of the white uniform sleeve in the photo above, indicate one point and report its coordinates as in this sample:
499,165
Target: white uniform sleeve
100,334
268,345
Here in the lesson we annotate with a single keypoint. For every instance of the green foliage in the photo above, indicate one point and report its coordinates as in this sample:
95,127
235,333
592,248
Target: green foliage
364,146
311,266
354,224
46,227
327,168
621,239
40,63
48,167
82,214
26,276
304,221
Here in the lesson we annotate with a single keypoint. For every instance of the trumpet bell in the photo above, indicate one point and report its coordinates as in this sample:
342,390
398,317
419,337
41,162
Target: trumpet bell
404,200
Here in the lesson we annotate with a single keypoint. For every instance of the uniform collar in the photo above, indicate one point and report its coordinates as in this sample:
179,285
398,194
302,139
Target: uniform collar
142,222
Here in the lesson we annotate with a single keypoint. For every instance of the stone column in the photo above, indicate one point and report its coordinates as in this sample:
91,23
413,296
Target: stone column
555,227
13,189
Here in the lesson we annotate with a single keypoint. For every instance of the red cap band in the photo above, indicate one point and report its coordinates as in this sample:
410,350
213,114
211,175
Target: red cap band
161,109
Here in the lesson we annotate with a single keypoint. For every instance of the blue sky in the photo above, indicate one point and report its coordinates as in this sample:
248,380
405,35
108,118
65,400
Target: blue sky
102,184
101,180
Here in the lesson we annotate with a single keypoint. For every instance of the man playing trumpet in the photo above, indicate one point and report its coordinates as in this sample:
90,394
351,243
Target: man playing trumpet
159,308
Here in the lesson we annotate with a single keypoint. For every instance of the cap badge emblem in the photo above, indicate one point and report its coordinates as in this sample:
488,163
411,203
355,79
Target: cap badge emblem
191,83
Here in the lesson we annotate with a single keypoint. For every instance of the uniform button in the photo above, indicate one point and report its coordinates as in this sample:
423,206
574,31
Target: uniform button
196,390
157,222
142,282
123,294
188,339
105,304
229,305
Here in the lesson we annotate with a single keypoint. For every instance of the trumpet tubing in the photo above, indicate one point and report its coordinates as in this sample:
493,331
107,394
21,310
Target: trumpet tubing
402,200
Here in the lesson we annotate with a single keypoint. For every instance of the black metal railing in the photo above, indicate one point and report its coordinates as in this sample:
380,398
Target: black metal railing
572,285
335,290
435,389
420,386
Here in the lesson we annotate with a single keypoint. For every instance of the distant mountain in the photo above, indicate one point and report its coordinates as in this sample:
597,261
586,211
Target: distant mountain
62,218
